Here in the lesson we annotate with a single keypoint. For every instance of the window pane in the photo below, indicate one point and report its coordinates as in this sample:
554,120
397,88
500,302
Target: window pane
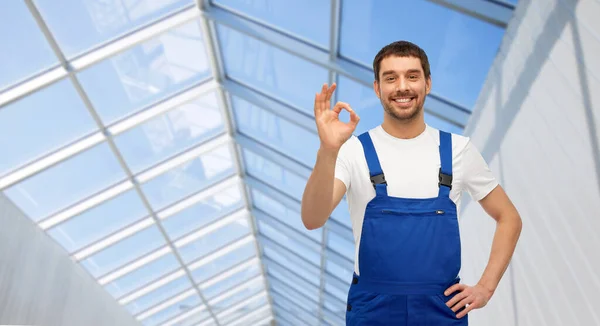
310,290
66,183
305,249
147,73
204,212
224,263
26,52
282,135
248,289
289,16
189,178
460,48
162,293
274,174
301,313
142,276
342,273
125,251
41,122
80,25
99,221
296,264
215,240
310,304
196,318
232,281
271,70
245,310
171,133
340,245
342,214
336,288
173,310
284,214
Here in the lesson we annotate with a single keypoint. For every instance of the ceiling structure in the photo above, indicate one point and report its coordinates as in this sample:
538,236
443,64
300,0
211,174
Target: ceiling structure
165,145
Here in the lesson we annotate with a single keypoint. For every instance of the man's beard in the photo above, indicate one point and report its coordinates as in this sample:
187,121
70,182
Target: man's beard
402,118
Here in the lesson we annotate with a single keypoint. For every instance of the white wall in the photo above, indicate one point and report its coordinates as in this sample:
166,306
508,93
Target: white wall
41,285
537,123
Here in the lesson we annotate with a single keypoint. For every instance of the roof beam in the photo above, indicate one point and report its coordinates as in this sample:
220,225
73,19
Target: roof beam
495,12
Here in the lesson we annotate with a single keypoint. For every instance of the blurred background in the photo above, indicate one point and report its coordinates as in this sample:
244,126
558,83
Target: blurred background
153,153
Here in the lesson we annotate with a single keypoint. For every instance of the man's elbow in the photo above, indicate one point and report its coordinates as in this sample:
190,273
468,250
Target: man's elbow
311,224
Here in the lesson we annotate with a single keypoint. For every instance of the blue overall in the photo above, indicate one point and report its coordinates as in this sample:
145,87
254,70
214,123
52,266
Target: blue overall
409,253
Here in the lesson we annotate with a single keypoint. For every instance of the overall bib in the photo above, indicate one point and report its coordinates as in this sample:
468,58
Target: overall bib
409,253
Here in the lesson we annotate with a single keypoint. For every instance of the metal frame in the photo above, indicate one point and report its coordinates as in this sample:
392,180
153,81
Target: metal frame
496,12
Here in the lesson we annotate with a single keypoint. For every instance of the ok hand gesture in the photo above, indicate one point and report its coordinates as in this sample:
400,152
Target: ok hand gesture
333,133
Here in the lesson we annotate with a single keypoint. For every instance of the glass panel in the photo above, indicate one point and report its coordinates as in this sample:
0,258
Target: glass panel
90,23
340,245
290,279
311,278
32,127
100,221
249,290
271,70
343,273
295,263
162,293
26,52
204,212
230,282
189,178
289,16
214,240
282,135
171,133
341,213
173,310
334,319
66,183
287,291
333,287
147,73
243,311
125,251
284,214
224,263
309,318
274,174
301,248
450,40
142,276
195,318
333,304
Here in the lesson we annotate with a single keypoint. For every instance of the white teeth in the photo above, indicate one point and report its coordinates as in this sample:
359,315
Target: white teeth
402,100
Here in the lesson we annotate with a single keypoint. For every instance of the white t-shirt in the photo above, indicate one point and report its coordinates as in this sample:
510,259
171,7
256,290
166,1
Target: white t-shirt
411,168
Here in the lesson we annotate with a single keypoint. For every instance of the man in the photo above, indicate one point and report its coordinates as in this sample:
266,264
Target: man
403,181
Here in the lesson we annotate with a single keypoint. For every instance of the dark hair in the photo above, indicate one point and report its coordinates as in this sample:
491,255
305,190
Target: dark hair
401,49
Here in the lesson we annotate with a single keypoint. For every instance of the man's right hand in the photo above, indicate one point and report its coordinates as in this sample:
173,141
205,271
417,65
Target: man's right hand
333,133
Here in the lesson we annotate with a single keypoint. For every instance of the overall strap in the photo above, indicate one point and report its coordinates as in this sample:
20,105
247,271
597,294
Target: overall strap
375,171
445,174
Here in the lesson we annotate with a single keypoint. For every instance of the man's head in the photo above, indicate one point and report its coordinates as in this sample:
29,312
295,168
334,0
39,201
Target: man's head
402,79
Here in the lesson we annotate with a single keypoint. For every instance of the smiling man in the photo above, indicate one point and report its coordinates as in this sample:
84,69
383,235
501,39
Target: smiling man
404,180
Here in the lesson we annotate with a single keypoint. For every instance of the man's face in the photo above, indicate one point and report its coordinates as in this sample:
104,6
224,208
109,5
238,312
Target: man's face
402,87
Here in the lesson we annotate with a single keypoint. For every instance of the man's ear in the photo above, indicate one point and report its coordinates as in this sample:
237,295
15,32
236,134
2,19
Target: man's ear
428,85
376,88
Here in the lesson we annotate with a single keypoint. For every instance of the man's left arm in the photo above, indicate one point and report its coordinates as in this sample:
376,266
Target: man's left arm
508,229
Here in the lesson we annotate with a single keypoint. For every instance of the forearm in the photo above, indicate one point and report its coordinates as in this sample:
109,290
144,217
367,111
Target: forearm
508,229
318,193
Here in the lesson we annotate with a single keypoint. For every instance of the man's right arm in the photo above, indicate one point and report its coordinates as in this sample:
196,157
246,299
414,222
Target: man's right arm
323,192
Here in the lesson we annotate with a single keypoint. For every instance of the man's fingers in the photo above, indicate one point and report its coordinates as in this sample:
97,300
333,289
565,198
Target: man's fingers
455,299
330,92
466,311
354,118
461,304
454,288
341,105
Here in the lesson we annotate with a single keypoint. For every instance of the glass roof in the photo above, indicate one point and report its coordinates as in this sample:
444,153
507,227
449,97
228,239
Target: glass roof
166,144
